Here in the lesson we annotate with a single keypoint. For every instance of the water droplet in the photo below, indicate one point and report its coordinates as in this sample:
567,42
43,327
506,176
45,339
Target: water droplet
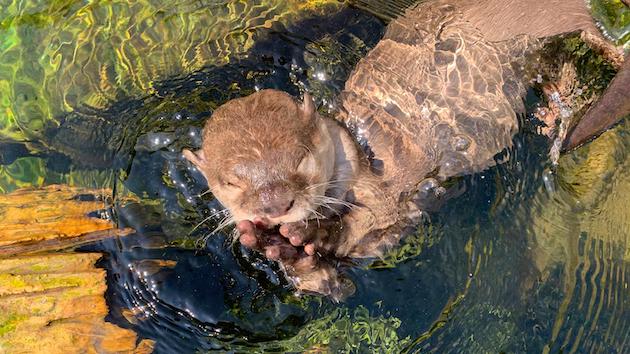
549,181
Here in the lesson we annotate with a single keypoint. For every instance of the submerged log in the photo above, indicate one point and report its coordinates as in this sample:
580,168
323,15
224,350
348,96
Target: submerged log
54,302
53,217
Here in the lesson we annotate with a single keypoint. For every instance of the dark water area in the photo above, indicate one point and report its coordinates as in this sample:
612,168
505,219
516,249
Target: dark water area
528,257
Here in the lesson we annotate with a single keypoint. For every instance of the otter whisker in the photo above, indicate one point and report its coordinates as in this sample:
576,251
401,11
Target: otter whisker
326,205
223,224
328,183
223,211
234,236
201,240
207,191
337,201
317,216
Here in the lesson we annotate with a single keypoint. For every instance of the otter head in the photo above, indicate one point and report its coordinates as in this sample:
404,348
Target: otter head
268,156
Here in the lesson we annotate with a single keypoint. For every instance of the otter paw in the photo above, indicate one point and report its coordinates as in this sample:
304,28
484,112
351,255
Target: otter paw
312,237
257,237
323,280
248,235
275,246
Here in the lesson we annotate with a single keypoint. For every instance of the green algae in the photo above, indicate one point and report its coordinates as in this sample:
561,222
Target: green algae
348,331
614,16
411,246
10,281
9,322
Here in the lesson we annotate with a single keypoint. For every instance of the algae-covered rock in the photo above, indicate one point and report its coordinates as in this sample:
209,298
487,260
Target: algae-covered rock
59,56
54,304
55,216
587,172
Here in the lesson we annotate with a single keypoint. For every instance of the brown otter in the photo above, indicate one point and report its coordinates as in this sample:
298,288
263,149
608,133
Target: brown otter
437,96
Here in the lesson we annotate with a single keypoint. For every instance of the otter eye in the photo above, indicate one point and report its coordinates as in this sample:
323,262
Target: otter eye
231,183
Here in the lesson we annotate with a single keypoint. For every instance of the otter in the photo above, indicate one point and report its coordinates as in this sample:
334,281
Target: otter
437,97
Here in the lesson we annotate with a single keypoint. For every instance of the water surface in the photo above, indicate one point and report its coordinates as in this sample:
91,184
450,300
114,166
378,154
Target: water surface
530,258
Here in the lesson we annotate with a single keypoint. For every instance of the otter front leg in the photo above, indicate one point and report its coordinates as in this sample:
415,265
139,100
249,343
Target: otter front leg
354,235
324,279
308,272
366,235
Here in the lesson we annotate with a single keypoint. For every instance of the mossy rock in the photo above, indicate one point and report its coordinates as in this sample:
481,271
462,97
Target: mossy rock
586,173
614,17
582,228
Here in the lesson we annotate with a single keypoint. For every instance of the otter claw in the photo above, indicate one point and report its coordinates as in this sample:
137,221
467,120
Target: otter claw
297,233
295,240
309,249
248,240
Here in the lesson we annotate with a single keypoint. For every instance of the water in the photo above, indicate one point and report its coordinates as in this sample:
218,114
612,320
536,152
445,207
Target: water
530,257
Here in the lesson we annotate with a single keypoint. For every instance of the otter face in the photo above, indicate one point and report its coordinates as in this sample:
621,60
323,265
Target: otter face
267,156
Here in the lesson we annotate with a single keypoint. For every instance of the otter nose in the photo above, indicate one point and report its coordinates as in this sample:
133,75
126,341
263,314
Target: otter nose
276,202
278,208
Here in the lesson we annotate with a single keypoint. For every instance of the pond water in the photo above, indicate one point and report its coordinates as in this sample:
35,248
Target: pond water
530,258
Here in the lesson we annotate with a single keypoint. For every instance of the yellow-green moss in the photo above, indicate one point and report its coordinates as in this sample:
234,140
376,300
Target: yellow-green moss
11,281
8,322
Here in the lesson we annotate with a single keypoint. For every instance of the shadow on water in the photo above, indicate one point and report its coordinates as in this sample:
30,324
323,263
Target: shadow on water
517,262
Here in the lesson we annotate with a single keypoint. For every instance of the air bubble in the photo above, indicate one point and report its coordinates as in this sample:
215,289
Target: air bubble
461,143
154,141
428,185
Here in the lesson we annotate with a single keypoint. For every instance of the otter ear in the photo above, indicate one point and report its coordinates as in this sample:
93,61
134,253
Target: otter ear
308,106
197,158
